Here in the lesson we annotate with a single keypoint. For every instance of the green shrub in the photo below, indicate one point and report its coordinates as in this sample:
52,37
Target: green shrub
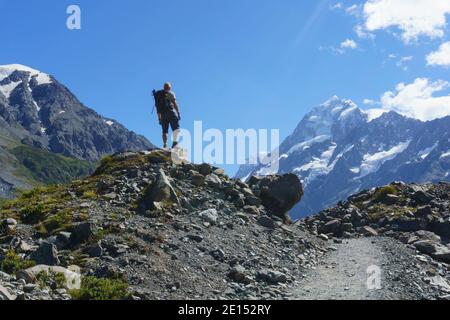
58,222
101,289
33,214
51,279
382,192
13,263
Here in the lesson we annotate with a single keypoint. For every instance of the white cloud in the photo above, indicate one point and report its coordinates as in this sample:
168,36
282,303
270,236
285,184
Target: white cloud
349,44
369,101
418,99
401,63
337,6
414,18
441,57
353,10
345,45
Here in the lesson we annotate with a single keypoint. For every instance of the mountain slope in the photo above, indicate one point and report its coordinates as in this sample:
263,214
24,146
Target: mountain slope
39,112
337,151
143,227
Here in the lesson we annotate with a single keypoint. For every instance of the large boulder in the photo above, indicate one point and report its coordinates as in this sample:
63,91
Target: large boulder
436,250
81,233
72,274
278,194
46,254
159,192
333,227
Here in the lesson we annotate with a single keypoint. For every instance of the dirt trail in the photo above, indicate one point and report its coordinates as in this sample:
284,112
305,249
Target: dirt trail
344,273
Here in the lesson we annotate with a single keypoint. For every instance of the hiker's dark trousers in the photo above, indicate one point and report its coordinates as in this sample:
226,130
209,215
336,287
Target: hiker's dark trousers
171,121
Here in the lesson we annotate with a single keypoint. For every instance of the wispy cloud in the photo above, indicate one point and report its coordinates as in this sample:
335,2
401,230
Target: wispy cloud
349,44
441,57
416,100
345,45
413,18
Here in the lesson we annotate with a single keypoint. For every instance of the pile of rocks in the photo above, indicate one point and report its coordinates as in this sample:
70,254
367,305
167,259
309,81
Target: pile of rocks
417,215
172,231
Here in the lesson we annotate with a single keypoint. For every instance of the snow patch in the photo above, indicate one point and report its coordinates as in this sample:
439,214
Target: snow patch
426,152
347,112
372,162
445,155
355,170
109,122
307,144
41,78
318,166
7,89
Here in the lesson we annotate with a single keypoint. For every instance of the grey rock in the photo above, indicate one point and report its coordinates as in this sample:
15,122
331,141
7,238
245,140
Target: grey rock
333,226
210,216
278,194
198,180
369,231
81,233
95,251
213,181
266,222
160,191
271,276
205,169
5,295
239,274
422,197
46,254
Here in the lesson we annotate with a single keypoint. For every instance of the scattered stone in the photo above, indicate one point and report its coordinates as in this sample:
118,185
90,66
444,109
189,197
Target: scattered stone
160,191
333,227
266,222
218,254
369,231
422,197
198,179
205,169
46,254
272,277
95,251
238,274
5,295
81,233
213,181
209,216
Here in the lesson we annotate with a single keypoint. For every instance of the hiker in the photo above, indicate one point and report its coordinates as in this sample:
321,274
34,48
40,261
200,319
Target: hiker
168,113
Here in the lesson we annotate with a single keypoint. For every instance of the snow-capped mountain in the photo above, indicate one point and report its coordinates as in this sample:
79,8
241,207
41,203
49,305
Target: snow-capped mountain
37,111
338,149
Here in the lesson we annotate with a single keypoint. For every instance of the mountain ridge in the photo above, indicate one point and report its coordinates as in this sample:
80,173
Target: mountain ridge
37,111
338,149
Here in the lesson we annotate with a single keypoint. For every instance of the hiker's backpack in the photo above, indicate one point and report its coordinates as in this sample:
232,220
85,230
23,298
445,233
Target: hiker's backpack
163,102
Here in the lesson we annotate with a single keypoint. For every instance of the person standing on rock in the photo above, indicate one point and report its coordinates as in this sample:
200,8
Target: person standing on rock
168,113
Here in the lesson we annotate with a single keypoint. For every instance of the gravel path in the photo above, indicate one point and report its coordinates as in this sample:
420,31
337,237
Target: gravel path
346,270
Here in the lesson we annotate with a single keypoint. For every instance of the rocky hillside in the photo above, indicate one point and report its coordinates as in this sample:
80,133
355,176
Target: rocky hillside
38,112
417,215
156,230
339,149
142,227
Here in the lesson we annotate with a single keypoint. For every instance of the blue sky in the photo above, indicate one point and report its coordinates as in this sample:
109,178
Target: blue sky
236,64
